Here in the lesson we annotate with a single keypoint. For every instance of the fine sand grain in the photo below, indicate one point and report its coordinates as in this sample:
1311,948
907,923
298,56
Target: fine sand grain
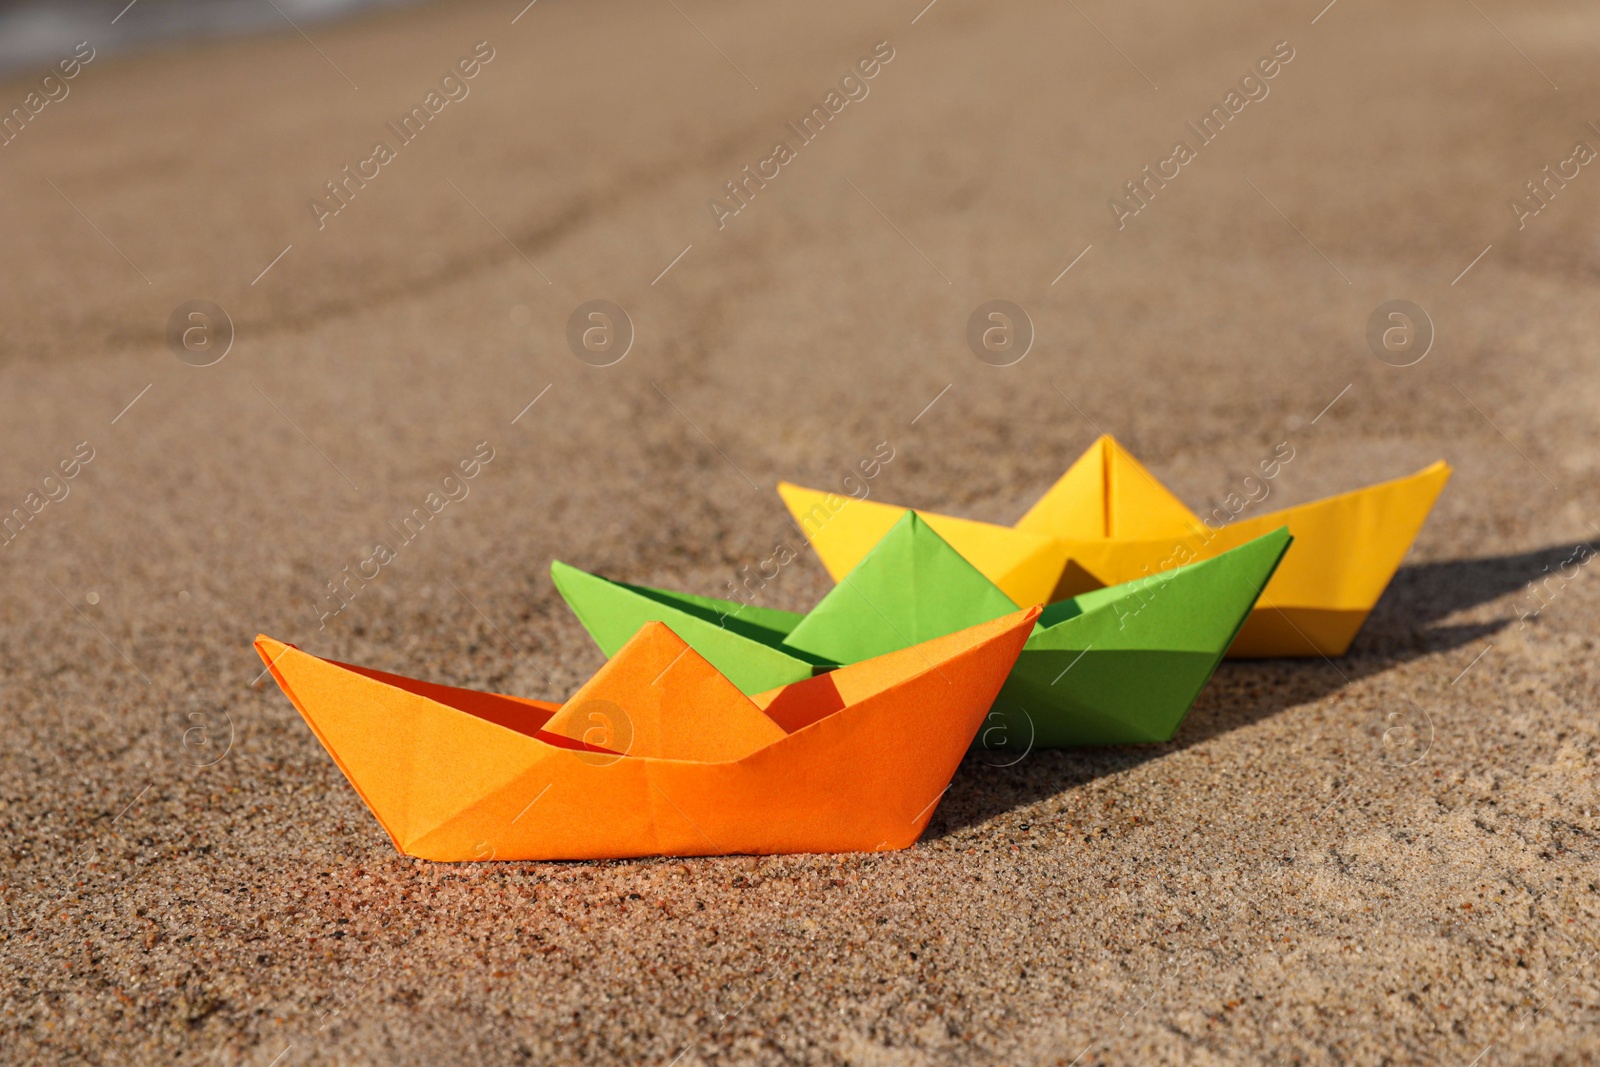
1390,858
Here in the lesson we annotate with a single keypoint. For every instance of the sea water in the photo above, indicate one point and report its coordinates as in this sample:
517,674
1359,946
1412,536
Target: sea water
34,33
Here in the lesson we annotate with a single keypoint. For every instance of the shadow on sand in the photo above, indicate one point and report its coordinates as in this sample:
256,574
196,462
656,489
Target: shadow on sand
1246,691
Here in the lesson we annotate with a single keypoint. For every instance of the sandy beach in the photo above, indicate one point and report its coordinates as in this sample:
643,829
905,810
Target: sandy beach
1385,858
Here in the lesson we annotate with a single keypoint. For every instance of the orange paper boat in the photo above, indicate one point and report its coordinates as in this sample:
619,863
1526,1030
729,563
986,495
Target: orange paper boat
658,754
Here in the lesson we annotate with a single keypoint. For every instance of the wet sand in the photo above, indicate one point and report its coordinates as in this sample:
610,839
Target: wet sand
188,879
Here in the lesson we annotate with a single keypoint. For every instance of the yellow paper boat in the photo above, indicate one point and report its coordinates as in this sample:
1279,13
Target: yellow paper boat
1108,520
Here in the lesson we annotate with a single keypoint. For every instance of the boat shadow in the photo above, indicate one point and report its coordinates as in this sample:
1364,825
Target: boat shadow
1401,628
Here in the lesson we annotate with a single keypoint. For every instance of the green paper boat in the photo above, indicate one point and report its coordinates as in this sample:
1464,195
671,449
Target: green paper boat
1114,666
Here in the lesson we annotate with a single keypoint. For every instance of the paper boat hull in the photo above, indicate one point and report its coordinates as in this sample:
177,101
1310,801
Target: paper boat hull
1347,549
1112,697
1130,674
1117,666
1274,632
454,775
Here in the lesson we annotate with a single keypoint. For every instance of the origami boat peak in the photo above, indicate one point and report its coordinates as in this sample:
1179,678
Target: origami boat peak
911,587
1107,493
659,697
843,530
